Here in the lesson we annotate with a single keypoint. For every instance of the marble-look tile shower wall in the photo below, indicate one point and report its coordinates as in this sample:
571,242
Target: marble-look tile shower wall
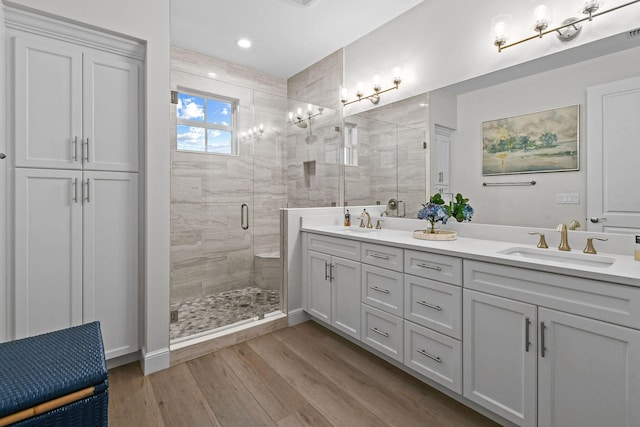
210,252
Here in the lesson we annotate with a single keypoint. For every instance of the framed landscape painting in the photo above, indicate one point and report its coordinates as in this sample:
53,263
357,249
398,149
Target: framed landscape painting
546,141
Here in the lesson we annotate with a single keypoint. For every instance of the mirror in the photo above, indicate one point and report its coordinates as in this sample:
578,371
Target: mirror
313,152
385,158
464,107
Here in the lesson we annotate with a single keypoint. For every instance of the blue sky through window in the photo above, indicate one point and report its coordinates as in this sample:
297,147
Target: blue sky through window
205,124
218,112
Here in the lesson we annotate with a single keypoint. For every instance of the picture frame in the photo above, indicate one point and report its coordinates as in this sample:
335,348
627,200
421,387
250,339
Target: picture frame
544,141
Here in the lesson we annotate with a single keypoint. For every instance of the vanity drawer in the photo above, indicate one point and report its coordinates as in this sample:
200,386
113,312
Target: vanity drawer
437,267
433,355
383,331
433,304
383,256
383,289
344,248
609,302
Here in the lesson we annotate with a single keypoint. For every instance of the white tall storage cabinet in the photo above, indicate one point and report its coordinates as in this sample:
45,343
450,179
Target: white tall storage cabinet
76,132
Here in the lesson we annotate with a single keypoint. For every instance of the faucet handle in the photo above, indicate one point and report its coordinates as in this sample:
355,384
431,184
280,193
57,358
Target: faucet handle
542,243
589,249
362,222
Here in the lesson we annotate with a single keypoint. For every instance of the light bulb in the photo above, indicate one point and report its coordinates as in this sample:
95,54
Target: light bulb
397,74
343,93
360,88
376,82
290,116
499,29
299,112
309,109
541,18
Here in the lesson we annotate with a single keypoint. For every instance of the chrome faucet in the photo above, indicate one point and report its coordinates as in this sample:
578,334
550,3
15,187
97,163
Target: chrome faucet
368,215
564,241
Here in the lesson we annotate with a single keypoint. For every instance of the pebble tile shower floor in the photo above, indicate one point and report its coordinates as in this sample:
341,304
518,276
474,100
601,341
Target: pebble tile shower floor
225,308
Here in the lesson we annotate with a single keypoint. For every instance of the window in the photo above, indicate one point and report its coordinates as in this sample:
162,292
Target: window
350,144
206,124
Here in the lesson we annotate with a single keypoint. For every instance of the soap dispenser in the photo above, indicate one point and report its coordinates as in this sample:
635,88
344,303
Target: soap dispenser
347,219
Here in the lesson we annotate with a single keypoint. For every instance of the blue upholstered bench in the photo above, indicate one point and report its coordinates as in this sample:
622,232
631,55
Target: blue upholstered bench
55,379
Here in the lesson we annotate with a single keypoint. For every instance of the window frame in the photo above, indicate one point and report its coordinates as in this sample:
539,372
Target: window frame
234,103
350,142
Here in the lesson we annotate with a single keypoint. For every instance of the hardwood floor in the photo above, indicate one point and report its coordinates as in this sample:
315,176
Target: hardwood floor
299,376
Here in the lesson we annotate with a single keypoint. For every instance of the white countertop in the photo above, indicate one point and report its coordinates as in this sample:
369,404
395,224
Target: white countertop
625,270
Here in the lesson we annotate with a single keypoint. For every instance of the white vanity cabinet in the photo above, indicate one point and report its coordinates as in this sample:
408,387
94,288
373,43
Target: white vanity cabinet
433,317
383,299
332,271
542,349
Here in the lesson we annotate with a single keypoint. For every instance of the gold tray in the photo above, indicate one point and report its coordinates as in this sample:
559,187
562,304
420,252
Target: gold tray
438,235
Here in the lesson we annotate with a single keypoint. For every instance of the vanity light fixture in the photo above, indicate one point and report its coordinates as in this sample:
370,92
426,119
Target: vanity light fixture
376,87
300,119
254,133
567,30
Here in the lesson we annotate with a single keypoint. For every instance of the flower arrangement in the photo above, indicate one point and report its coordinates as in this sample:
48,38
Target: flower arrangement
437,211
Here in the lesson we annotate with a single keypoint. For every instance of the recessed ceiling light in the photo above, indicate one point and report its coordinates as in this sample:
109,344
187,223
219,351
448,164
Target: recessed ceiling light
211,74
244,43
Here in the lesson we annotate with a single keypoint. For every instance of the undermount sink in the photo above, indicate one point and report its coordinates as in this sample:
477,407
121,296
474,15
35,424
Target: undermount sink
553,255
360,229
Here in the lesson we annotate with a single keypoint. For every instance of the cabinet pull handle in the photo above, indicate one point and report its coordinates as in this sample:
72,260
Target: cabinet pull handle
378,331
527,326
326,271
384,291
331,273
74,198
74,156
379,256
430,267
87,156
424,353
88,198
543,348
426,304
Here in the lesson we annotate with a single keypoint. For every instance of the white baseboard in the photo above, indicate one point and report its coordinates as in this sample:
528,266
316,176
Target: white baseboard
297,316
155,361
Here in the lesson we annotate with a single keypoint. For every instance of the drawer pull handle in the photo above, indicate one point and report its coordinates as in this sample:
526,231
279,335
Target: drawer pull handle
378,331
426,304
430,267
380,256
425,354
377,289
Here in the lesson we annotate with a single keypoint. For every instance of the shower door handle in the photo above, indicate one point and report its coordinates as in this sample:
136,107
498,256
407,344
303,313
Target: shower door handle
244,216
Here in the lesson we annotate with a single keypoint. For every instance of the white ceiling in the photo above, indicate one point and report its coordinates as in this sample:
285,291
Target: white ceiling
287,37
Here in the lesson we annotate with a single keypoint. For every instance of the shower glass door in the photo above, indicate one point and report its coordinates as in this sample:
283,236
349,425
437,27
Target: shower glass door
224,205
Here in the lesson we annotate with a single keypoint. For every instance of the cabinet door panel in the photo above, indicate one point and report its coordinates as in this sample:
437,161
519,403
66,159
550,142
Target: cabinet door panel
590,373
111,113
319,286
499,372
110,255
48,104
345,308
48,258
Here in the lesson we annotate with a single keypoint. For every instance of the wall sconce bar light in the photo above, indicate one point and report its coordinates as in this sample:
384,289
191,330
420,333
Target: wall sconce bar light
568,29
377,89
299,119
255,132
